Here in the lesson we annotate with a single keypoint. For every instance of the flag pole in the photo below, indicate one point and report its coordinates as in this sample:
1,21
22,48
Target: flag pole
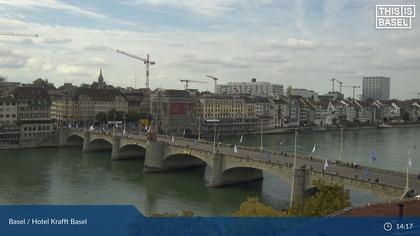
341,145
261,141
294,155
407,179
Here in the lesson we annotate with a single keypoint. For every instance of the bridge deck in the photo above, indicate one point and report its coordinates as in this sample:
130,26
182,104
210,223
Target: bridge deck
386,177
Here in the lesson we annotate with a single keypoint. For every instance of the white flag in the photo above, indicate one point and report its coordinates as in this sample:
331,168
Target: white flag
124,132
183,132
69,126
325,164
235,150
313,150
173,139
410,164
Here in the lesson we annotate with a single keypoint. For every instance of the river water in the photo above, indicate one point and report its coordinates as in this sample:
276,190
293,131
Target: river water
68,176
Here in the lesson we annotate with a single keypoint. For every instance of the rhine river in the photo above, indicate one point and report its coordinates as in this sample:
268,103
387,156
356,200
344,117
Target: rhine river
68,176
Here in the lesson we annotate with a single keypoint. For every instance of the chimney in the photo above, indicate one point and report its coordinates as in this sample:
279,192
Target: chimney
254,80
400,209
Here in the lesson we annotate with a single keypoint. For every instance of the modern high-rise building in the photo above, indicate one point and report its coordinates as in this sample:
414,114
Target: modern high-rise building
254,88
376,87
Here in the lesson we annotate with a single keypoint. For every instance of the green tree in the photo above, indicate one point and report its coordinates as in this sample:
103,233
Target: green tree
289,91
133,117
330,198
101,117
406,116
253,207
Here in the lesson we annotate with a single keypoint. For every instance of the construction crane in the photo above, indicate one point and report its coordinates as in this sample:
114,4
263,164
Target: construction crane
18,34
340,84
354,89
146,61
187,81
333,84
417,93
215,81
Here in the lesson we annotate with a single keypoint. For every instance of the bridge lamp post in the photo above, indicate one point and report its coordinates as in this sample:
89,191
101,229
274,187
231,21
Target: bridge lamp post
261,141
294,154
199,128
214,122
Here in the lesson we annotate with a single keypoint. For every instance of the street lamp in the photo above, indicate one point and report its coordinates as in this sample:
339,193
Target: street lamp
261,141
214,122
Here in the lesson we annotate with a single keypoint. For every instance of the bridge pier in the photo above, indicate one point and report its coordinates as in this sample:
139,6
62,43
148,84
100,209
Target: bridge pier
153,161
215,176
116,141
62,137
300,183
86,141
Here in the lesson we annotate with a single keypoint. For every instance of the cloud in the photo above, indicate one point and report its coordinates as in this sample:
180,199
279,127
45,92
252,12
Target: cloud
358,51
67,69
227,62
9,59
202,7
56,40
96,48
51,4
27,41
296,44
38,64
270,57
409,53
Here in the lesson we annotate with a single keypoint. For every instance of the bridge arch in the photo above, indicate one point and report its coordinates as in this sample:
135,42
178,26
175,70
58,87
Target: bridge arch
75,139
183,160
241,174
131,151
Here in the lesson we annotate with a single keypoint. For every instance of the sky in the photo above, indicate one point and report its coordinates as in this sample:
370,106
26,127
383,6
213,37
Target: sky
298,43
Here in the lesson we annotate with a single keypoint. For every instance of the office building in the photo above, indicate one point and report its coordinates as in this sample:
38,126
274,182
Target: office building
376,87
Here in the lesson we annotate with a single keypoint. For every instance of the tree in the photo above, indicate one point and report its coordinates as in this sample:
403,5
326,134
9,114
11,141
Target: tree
133,117
101,117
330,198
252,207
406,116
289,91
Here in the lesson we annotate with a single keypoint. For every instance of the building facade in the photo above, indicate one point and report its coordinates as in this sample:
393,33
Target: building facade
9,129
239,114
34,114
174,112
376,87
304,93
254,88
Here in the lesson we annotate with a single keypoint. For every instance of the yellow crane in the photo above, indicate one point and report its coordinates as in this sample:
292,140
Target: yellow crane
187,81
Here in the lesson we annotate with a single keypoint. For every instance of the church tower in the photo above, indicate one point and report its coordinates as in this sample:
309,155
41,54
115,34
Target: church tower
101,82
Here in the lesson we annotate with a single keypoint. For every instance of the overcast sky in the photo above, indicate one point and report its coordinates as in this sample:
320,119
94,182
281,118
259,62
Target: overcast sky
291,42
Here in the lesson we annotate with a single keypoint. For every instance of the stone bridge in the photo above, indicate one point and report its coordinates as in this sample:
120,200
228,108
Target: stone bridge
225,167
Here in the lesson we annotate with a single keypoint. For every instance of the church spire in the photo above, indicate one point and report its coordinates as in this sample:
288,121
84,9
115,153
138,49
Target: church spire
101,82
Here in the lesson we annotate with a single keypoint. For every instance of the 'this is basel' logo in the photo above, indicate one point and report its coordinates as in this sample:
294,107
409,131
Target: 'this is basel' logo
394,16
